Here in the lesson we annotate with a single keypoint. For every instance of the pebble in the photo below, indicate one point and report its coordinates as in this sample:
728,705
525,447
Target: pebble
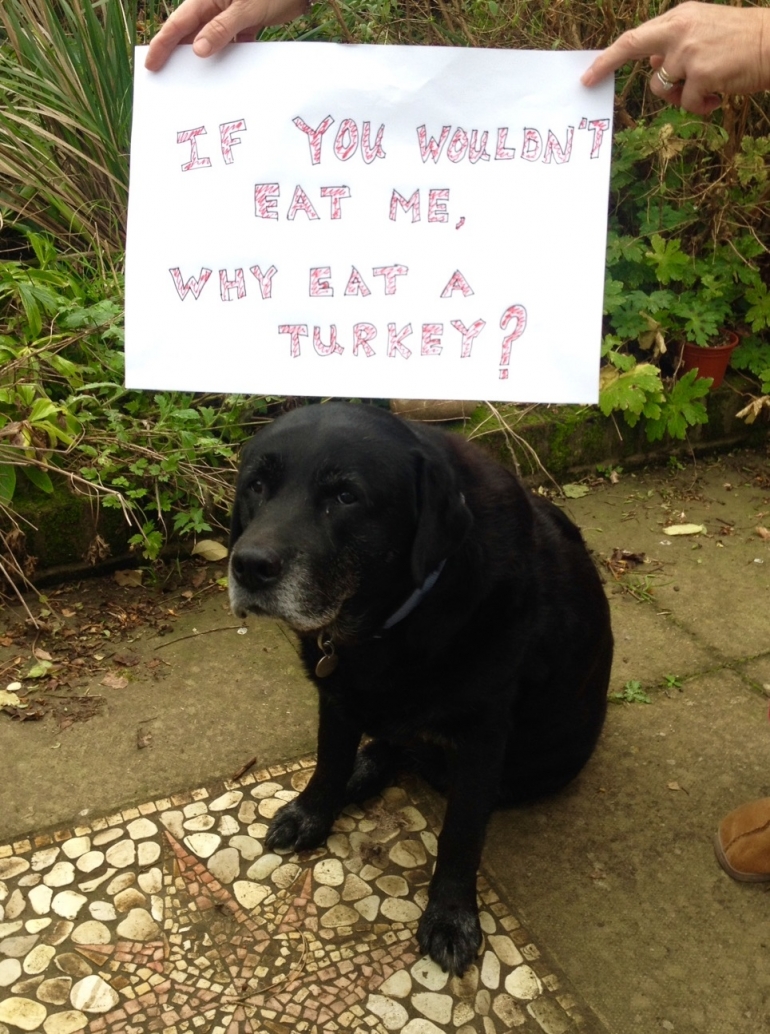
103,911
16,947
39,959
339,845
15,905
151,881
421,1026
326,897
400,910
8,929
89,861
523,983
413,820
92,931
249,894
59,932
270,807
147,853
55,991
505,950
368,907
408,853
329,871
339,915
398,985
196,808
42,859
22,1013
263,866
355,888
247,847
76,847
435,1006
90,885
61,875
428,973
10,971
10,867
92,994
67,903
121,854
128,899
68,1022
247,812
285,875
393,886
73,965
172,820
121,881
228,800
36,925
262,790
392,1014
106,836
227,826
509,1012
490,970
203,844
141,828
138,926
200,823
225,864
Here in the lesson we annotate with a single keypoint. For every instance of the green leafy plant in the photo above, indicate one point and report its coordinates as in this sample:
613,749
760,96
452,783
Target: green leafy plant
685,260
632,693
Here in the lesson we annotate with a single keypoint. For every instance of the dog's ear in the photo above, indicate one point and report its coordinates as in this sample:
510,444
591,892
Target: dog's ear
443,519
239,516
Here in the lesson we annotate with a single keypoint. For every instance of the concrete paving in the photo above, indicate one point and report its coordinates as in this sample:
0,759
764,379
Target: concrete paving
615,879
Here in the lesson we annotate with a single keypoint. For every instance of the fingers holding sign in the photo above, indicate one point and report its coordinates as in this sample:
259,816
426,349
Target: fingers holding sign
211,24
697,51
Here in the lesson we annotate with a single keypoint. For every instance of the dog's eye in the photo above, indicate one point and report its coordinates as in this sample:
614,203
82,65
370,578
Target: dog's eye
345,497
257,486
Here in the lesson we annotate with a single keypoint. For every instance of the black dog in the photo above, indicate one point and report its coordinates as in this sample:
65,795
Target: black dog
443,610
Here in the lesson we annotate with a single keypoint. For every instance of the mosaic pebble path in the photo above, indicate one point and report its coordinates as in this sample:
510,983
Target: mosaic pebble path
173,917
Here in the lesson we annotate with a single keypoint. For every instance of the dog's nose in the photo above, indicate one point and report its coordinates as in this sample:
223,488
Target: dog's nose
256,567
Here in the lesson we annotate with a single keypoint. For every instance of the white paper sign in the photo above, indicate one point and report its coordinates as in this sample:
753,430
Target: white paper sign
368,221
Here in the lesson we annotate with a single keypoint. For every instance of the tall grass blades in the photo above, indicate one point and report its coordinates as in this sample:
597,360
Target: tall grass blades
65,115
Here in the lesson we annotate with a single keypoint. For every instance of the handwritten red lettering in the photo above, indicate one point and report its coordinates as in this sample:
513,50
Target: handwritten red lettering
228,139
314,136
190,136
192,285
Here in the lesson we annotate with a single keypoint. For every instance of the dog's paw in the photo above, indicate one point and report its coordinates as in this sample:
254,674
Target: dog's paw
451,935
295,827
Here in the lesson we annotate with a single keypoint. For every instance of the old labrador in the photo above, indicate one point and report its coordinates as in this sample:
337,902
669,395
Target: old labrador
443,610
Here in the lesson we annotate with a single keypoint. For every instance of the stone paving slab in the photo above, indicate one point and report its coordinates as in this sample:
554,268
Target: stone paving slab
172,916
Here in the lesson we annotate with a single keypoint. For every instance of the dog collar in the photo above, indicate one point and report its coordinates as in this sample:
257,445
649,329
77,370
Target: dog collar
329,659
416,598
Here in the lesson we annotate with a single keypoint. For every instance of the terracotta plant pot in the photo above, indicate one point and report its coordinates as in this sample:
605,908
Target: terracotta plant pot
710,361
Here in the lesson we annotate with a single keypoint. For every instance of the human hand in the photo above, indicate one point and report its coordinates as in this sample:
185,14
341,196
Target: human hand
211,24
707,50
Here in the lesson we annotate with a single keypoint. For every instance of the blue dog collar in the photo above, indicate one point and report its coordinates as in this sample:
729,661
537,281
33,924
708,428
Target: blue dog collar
416,598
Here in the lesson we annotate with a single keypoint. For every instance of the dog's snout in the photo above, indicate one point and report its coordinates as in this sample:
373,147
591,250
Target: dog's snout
256,567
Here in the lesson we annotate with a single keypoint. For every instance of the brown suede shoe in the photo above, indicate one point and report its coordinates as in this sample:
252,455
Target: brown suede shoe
742,842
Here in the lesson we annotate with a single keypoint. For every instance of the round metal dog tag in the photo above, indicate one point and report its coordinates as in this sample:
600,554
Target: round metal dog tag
326,665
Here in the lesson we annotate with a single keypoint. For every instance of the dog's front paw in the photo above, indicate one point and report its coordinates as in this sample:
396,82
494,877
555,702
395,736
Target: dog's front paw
296,827
450,934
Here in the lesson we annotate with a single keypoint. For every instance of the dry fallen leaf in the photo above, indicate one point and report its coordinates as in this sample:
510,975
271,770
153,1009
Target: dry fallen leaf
129,579
42,655
115,681
209,549
8,699
685,529
762,532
